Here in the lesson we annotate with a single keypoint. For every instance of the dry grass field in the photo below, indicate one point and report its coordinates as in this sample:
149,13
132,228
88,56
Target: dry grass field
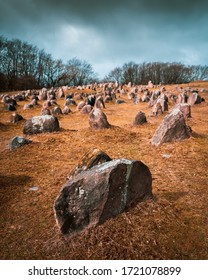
173,225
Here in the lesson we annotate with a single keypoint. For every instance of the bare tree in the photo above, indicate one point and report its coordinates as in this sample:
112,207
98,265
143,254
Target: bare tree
23,66
115,75
79,72
199,72
130,72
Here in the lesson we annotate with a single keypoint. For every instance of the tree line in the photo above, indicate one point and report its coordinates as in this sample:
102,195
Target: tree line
24,66
157,72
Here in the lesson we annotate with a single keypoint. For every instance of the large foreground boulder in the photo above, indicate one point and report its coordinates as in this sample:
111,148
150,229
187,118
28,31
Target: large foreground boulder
100,193
41,124
172,128
98,120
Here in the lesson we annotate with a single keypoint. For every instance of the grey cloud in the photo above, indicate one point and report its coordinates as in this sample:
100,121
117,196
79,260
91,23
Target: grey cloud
111,32
91,11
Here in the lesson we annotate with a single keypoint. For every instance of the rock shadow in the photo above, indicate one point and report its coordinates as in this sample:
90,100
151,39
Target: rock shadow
174,196
198,135
13,180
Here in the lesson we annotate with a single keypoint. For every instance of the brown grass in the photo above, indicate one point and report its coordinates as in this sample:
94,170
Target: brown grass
174,225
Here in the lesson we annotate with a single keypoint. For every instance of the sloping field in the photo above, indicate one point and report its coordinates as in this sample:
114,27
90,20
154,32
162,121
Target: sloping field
173,225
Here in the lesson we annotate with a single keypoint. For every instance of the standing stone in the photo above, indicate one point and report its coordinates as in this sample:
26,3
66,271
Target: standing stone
194,98
119,101
101,193
47,104
41,124
54,103
9,107
182,98
91,158
172,128
150,84
28,106
108,99
5,98
185,108
145,97
86,109
98,120
51,95
45,111
66,110
56,111
91,100
8,100
113,96
131,95
17,142
163,99
60,93
156,93
99,103
80,105
156,109
77,96
70,101
19,96
140,118
34,102
43,94
16,118
152,102
136,99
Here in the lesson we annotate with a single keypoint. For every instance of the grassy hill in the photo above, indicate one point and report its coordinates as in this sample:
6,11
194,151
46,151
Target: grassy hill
174,225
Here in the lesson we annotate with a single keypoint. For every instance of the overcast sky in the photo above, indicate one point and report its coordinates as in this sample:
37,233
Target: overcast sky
111,32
